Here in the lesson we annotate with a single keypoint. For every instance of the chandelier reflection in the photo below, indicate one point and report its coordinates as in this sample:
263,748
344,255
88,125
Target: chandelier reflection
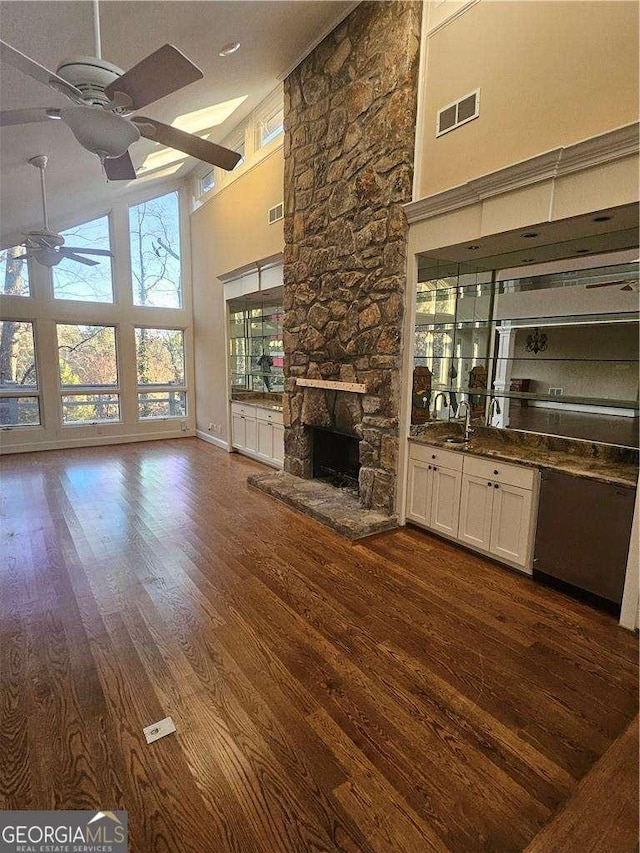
536,342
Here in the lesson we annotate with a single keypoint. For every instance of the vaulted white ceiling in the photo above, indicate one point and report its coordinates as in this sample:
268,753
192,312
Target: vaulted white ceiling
273,37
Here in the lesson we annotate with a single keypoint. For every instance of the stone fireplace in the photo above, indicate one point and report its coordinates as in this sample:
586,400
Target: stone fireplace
349,140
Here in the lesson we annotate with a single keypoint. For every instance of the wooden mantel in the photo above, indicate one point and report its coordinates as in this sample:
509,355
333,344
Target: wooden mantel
331,385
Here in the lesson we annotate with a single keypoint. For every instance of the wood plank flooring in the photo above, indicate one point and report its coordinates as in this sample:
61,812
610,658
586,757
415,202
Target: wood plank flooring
400,695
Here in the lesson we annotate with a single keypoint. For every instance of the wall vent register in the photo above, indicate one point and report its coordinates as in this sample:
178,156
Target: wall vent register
275,213
458,113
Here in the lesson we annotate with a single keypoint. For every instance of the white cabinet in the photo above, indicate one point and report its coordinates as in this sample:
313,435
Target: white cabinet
434,488
258,433
475,512
445,500
511,524
278,444
497,510
243,426
487,505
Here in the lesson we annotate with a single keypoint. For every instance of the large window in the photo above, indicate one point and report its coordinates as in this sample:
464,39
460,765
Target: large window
161,379
88,369
154,229
14,273
19,401
86,282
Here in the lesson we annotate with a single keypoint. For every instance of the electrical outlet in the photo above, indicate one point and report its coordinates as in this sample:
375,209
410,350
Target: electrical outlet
211,427
184,425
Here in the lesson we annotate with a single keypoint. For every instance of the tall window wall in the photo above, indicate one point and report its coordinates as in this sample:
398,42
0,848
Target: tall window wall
100,351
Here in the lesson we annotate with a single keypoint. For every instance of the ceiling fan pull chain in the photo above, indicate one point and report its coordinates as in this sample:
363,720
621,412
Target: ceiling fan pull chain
96,28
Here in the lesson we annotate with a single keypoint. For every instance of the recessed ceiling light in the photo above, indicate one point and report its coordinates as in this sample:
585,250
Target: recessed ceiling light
527,260
601,218
473,248
529,235
229,48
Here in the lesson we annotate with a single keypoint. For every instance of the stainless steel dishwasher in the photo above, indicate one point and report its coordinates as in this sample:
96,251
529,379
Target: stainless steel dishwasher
583,533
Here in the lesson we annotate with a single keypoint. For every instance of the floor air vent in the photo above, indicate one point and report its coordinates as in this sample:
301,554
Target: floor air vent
275,213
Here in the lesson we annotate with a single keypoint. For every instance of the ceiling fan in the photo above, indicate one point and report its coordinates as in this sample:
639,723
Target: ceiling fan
104,96
45,245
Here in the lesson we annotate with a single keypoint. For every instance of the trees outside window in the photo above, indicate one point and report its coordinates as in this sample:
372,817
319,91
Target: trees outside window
14,273
154,233
87,362
18,375
160,364
73,280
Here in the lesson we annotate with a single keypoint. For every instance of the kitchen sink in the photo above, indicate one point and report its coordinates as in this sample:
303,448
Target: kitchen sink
454,439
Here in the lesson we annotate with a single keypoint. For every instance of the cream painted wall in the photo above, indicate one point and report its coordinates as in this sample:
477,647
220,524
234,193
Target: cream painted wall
228,232
550,73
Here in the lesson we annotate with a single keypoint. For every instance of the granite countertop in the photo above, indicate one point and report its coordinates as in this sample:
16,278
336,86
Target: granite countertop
602,462
260,402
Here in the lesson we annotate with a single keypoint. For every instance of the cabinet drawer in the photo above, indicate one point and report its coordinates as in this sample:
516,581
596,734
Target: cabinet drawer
500,472
269,415
436,456
243,410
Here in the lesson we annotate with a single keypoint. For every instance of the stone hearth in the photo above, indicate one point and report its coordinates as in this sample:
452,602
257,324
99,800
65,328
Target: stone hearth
338,509
349,137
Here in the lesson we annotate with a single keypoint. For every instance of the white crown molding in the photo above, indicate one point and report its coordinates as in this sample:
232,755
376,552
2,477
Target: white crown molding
605,148
453,17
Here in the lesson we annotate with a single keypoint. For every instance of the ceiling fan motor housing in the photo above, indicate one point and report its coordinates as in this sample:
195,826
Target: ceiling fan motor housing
43,238
92,75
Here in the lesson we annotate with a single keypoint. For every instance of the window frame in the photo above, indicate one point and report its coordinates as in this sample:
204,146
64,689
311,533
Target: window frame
34,391
90,390
153,387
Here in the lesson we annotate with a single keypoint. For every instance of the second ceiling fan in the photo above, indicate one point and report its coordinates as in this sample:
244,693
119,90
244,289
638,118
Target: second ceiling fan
104,96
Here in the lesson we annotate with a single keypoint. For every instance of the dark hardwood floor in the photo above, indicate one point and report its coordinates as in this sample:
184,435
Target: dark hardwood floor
399,695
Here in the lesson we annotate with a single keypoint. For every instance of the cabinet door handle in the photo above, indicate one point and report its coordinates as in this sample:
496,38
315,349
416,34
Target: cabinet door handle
489,484
429,467
433,456
496,486
496,472
434,468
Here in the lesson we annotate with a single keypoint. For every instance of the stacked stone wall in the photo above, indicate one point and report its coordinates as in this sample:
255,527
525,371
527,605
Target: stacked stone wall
350,111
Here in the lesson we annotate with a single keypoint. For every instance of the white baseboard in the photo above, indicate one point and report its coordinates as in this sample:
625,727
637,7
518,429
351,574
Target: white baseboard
219,442
92,441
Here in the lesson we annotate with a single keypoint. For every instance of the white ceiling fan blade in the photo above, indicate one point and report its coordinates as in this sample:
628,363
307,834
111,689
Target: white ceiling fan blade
73,257
29,66
102,252
119,168
192,145
162,72
13,117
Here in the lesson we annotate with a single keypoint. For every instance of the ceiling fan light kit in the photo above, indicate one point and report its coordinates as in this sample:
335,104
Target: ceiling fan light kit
104,96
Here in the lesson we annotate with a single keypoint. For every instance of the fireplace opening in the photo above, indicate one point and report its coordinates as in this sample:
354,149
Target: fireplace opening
336,458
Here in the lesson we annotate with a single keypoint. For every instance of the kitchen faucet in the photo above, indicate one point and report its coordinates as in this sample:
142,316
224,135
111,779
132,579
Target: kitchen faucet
435,403
467,418
498,410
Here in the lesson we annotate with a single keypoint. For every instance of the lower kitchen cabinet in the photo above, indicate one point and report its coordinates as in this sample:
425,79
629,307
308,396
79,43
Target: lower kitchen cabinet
434,489
486,505
258,433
